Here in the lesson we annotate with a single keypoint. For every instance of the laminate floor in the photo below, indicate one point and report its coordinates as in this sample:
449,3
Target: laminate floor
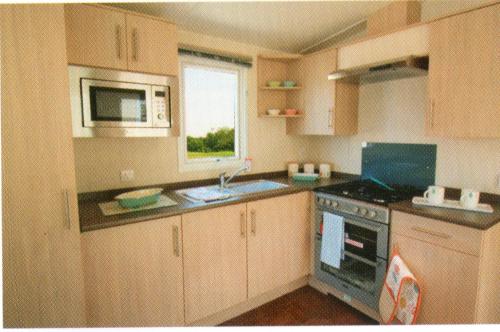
304,306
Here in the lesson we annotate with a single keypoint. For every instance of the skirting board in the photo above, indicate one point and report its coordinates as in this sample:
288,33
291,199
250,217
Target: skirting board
326,289
250,304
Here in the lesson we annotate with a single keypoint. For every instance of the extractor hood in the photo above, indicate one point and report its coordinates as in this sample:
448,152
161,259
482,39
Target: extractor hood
383,71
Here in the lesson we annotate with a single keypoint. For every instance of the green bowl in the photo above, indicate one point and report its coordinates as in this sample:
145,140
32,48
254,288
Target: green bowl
138,198
306,177
274,84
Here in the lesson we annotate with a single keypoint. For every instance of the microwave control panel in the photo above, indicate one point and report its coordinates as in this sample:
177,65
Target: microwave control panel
161,106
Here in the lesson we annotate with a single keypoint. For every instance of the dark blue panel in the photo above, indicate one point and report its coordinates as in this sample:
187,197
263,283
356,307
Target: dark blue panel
400,164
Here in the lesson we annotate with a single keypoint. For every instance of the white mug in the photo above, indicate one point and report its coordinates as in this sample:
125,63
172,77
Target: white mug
325,171
292,169
309,168
434,195
469,198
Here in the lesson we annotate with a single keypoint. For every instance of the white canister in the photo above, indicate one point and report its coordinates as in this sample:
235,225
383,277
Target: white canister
309,168
292,169
325,171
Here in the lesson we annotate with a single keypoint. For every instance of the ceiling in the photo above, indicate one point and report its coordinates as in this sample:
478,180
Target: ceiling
280,25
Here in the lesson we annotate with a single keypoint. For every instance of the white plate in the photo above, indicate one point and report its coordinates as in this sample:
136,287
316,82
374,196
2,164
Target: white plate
137,194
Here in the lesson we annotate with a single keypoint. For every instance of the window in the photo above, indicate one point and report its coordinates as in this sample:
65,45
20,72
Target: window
213,105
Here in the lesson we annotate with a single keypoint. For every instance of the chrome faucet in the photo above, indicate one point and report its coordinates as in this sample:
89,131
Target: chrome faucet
222,176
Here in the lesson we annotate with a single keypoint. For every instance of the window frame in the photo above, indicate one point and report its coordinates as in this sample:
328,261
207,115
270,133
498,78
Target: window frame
241,133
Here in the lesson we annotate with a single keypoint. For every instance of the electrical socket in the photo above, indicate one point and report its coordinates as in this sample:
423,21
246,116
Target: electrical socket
127,175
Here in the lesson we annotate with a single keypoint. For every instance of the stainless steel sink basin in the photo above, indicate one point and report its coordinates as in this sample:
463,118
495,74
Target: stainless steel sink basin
214,193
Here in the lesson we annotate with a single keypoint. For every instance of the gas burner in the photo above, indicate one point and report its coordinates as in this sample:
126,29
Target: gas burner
371,192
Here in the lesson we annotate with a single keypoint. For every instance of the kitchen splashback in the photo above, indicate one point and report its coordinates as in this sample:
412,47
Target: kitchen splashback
399,164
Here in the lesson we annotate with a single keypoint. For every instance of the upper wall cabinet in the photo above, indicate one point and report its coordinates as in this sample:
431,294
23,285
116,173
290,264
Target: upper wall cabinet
331,107
153,45
464,98
97,36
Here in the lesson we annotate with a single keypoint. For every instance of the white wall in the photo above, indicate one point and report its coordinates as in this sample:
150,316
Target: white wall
154,160
393,112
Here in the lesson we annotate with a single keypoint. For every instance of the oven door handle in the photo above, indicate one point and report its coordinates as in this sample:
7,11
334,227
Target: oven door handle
375,228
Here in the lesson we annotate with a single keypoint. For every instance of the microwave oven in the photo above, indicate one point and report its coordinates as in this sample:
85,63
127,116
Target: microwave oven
111,103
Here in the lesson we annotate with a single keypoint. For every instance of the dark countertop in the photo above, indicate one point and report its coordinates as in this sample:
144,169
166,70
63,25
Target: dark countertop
477,220
91,217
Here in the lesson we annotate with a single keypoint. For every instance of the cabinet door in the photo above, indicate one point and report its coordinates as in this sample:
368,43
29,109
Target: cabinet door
463,75
42,272
133,274
330,108
278,242
152,46
448,280
215,266
95,36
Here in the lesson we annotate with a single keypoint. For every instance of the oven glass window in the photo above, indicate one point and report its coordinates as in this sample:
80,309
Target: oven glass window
112,104
360,241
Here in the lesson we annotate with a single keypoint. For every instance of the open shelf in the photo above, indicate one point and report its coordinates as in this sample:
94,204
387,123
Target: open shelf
278,68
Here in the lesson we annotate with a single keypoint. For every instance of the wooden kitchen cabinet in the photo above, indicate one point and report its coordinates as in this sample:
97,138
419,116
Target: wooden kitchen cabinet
153,46
42,271
215,260
331,107
278,242
456,267
133,274
464,98
100,36
96,36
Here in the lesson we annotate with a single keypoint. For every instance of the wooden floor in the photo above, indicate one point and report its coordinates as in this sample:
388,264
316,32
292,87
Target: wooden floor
305,306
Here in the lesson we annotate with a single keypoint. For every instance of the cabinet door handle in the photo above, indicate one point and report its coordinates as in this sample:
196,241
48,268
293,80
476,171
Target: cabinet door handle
175,240
330,118
253,224
134,44
68,208
242,224
432,114
426,231
118,32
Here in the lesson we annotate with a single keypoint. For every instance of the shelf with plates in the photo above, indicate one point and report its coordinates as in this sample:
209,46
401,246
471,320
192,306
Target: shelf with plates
273,72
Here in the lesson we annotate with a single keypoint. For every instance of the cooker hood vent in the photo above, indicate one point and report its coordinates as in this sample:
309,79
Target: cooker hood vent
389,70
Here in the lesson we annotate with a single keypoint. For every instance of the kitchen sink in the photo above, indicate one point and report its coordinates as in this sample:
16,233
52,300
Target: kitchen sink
214,193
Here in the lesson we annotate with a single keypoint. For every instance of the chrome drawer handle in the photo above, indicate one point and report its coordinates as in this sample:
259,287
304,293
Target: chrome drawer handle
242,224
68,208
175,240
426,231
253,225
119,41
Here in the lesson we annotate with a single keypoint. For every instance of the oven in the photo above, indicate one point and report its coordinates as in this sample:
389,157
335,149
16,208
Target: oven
117,103
365,248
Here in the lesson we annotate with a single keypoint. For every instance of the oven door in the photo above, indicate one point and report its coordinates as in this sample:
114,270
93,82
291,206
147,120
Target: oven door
116,104
364,261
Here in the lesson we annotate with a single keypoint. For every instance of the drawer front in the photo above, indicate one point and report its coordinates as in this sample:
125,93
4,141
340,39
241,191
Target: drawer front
447,235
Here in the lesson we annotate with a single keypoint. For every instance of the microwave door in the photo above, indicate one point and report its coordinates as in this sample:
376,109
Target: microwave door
116,104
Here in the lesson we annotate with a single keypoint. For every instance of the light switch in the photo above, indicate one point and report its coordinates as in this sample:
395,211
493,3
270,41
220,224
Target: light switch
127,175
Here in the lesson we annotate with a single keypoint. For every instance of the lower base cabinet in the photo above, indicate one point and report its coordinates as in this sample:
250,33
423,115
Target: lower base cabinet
456,267
278,242
133,274
215,266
